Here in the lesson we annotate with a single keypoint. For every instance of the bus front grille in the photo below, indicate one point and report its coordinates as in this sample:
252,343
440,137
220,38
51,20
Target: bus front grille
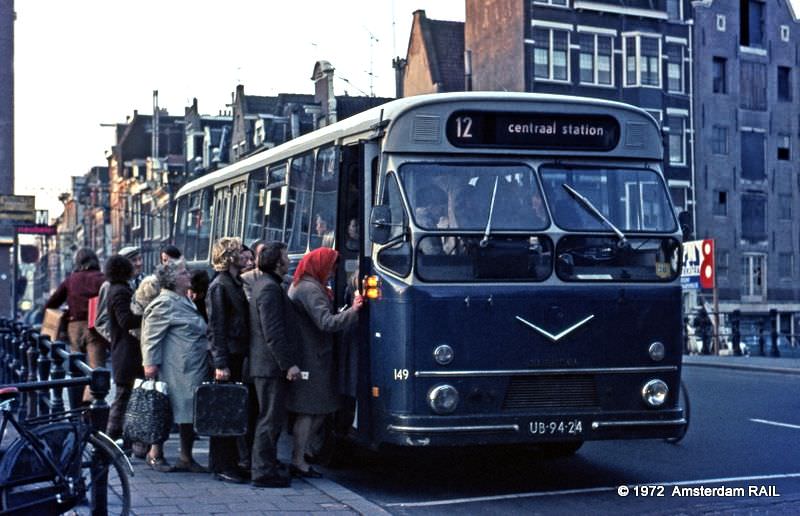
526,392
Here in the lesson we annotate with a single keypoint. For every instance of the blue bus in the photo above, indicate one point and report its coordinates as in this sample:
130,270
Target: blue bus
519,252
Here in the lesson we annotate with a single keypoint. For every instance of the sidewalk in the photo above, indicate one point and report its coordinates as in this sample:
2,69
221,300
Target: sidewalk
750,363
200,494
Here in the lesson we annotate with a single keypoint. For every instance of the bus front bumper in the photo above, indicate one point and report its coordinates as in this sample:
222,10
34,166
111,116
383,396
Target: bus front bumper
531,429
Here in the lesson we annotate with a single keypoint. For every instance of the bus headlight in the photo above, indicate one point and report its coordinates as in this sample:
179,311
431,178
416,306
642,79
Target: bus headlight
657,351
443,399
443,354
655,393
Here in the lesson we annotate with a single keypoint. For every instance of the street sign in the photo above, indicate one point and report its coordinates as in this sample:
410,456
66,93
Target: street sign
18,209
37,229
698,264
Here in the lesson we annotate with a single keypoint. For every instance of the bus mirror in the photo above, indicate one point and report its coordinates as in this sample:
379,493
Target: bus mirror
685,220
380,224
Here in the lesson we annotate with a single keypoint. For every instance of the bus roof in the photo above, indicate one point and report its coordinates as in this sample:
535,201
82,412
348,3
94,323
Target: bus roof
368,120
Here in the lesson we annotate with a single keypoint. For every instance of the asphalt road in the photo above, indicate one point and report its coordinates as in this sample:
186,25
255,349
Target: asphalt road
744,432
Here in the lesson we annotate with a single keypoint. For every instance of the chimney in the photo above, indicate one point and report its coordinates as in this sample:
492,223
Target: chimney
156,113
399,65
323,92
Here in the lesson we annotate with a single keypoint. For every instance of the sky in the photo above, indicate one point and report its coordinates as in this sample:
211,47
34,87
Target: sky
83,63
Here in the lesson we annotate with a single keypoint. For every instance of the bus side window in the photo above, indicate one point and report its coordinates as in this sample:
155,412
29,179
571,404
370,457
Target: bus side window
298,217
326,188
183,215
204,225
397,257
255,205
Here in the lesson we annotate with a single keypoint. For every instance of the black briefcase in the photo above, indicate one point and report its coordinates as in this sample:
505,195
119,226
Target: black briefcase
220,409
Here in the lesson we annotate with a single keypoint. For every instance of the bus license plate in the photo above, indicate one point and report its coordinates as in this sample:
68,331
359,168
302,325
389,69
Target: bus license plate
557,427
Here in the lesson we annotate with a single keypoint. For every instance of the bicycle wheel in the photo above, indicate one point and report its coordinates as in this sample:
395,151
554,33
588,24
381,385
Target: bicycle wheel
117,491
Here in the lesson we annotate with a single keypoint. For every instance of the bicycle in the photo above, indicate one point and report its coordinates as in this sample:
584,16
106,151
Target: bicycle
58,463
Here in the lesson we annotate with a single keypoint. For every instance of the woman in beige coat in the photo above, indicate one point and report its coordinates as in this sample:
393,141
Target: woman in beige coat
312,399
174,351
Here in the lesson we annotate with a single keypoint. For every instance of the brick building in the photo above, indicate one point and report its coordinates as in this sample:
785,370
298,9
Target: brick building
748,179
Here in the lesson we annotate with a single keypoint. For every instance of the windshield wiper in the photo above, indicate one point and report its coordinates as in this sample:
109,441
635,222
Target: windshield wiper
586,203
485,240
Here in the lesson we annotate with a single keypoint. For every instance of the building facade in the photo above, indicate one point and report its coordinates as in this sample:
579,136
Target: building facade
747,120
633,51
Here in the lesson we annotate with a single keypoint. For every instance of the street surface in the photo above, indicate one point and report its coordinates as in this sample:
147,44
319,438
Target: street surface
744,432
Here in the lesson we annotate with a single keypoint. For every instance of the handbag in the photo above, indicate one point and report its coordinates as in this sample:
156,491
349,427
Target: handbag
220,409
148,417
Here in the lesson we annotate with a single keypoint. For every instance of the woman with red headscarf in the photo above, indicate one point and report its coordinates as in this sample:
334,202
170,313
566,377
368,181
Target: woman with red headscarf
315,397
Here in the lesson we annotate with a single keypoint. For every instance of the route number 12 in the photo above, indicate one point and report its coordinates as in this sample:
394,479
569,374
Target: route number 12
464,127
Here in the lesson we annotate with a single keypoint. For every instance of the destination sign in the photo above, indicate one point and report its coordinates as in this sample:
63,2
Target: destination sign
544,131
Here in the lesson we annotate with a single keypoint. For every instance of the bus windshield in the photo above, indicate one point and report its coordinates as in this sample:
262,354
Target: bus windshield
633,200
466,196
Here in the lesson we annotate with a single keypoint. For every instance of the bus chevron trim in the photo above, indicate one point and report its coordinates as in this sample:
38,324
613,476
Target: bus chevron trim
559,336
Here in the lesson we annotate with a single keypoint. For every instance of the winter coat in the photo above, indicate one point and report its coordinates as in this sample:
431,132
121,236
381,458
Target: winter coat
228,319
274,340
249,280
76,290
174,338
126,353
317,324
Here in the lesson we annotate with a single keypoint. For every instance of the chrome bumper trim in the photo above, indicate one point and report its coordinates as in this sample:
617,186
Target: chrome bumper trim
444,429
544,372
597,425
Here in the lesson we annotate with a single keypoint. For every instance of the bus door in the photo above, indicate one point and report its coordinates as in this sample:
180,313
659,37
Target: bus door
358,166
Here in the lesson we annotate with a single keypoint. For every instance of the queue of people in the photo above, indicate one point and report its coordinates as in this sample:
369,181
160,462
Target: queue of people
251,323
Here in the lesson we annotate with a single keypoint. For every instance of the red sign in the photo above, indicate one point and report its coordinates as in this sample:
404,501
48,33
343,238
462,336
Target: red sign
39,229
707,264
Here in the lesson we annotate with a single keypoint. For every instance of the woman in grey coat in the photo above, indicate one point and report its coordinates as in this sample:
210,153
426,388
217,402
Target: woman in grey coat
174,350
312,399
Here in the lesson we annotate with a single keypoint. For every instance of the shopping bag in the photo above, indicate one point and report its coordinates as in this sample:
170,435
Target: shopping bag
220,409
148,418
51,324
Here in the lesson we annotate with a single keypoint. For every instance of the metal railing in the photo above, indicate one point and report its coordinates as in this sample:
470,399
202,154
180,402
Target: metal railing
764,340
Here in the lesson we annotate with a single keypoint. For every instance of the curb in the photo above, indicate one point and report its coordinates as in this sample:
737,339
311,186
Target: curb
341,494
742,367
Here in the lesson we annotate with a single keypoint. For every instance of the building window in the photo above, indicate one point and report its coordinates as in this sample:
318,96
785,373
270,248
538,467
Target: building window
753,86
722,257
751,23
753,156
677,150
784,33
719,82
785,207
784,152
675,68
674,9
784,83
560,3
754,217
754,288
680,197
719,139
596,59
721,22
785,265
642,61
720,203
550,54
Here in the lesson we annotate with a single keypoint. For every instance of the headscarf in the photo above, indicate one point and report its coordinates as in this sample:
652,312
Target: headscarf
318,264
